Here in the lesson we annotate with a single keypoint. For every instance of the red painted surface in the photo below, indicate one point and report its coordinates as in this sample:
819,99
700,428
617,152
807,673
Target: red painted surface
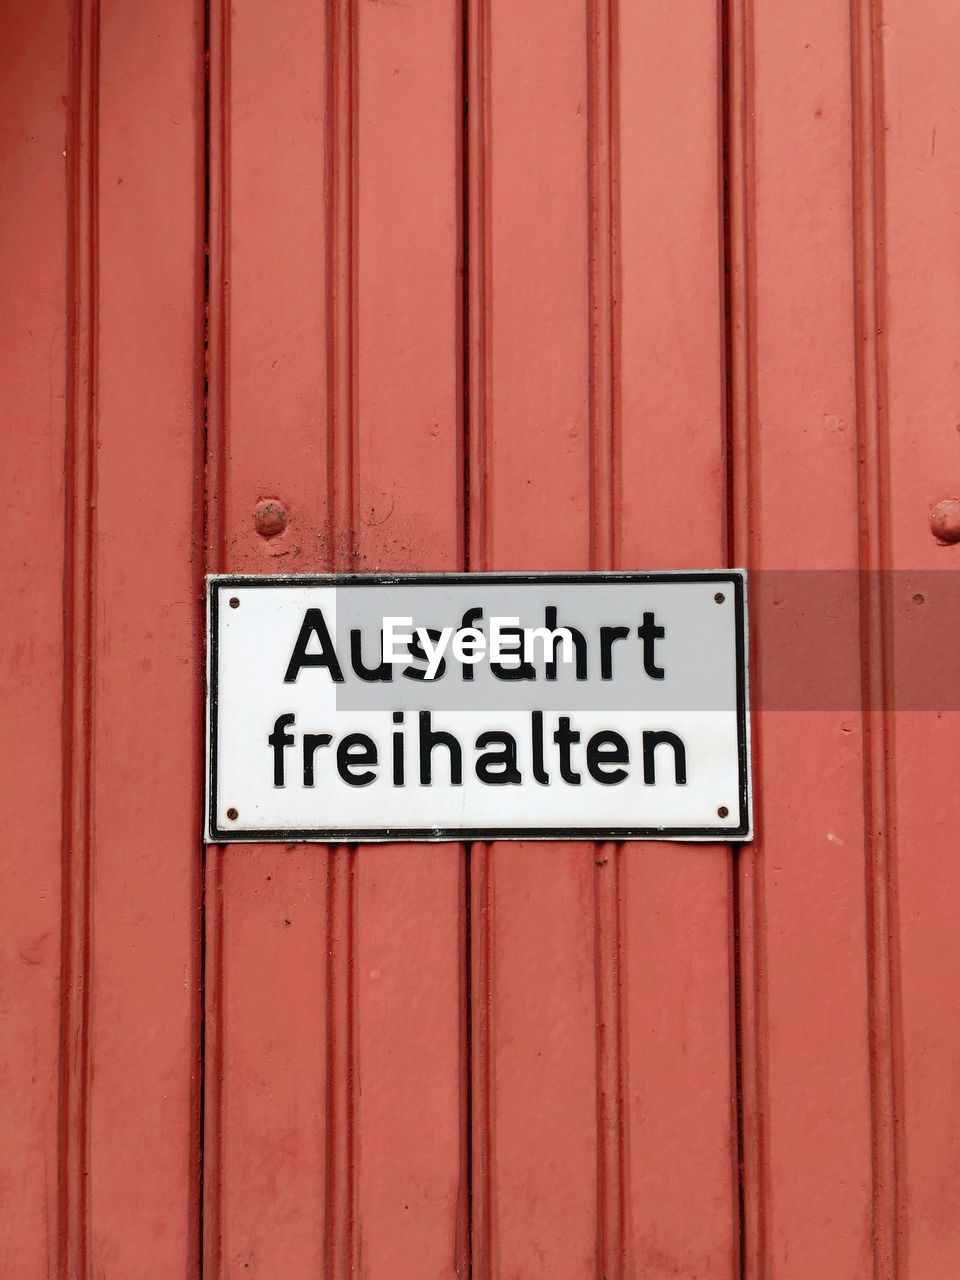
369,286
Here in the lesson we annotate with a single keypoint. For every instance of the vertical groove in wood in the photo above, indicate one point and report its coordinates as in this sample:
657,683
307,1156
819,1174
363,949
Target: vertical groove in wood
604,263
604,290
742,502
218,276
477,178
340,1220
479,905
210,1237
199,560
217,328
470,253
612,1196
341,273
733,220
732,550
78,612
878,746
340,1253
466,249
462,1251
199,567
482,1208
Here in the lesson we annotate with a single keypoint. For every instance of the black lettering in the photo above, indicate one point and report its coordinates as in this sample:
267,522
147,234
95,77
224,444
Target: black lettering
314,624
498,768
650,633
523,670
605,751
354,751
469,619
311,743
607,637
565,737
417,651
398,750
279,739
650,743
579,647
383,672
536,732
430,738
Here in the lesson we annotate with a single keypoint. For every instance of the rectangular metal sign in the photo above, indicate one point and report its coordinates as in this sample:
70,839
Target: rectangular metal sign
598,706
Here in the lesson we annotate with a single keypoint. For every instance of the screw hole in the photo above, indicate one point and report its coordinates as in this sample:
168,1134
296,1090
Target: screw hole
723,812
232,815
719,597
234,602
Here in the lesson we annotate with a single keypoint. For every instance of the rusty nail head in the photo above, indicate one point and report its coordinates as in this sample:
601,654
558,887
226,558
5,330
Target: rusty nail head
234,602
270,518
723,811
719,597
945,521
232,815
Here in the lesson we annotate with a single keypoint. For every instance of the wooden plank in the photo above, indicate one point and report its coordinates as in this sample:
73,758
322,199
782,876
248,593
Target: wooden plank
532,921
80,533
145,748
338,319
577,427
915,139
266,1155
34,89
808,1168
871,408
676,900
408,467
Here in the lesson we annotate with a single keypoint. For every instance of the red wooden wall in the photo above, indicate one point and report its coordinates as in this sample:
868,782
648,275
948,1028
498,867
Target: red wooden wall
491,285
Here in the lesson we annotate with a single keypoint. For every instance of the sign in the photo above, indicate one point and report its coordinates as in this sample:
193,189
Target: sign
590,706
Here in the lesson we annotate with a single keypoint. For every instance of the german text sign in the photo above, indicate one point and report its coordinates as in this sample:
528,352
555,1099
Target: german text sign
478,707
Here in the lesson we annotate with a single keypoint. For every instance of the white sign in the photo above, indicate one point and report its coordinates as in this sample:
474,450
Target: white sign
590,706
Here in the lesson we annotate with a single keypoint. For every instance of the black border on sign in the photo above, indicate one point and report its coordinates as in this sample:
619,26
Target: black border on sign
393,835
